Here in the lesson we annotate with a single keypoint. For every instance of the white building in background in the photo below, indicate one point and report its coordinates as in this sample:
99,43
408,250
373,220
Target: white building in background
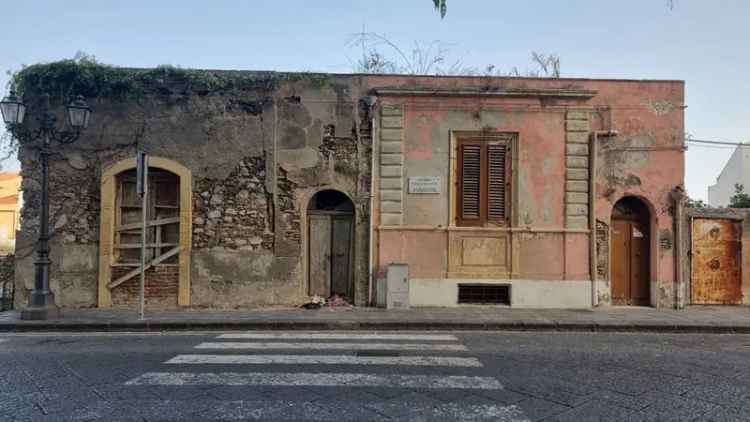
736,171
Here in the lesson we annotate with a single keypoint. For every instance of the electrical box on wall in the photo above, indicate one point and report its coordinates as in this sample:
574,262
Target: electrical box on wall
397,286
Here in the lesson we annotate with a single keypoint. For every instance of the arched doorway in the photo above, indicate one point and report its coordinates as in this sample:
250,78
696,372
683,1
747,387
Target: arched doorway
330,222
630,252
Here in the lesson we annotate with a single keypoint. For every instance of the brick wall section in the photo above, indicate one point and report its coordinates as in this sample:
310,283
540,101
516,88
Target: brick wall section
576,169
602,250
391,165
160,292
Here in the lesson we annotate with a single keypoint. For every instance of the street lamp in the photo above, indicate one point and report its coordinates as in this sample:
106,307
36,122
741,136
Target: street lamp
41,300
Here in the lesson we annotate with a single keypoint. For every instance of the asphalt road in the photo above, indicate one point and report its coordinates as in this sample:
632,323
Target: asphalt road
358,376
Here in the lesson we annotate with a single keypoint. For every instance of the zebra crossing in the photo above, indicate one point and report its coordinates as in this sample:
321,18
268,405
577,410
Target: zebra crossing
264,357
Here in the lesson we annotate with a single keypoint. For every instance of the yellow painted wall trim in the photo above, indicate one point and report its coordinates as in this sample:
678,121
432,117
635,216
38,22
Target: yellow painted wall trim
107,225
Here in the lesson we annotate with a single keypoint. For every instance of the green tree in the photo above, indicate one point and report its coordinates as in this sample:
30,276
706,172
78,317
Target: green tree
441,6
695,203
740,199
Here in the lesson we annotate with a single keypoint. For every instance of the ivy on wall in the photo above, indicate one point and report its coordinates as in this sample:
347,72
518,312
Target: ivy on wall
86,76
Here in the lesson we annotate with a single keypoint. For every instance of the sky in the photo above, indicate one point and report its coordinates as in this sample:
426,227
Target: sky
704,43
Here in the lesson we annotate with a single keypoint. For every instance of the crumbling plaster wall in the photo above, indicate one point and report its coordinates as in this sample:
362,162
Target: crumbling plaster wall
645,160
253,156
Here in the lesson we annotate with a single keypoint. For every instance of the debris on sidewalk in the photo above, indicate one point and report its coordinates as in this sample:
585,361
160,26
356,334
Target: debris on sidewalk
337,301
316,302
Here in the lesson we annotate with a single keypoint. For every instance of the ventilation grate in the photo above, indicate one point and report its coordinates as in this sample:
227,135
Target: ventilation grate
485,294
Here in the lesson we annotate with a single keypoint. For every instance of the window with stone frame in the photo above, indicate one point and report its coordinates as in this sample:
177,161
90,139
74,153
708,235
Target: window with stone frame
162,214
483,175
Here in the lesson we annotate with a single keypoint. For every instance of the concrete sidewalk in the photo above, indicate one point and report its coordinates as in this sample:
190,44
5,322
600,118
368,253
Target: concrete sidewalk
693,319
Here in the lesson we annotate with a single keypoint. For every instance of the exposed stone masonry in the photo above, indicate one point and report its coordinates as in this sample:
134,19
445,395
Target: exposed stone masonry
234,212
290,214
74,199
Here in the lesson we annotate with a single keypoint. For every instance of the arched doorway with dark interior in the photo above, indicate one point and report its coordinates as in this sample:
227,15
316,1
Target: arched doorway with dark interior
330,222
631,252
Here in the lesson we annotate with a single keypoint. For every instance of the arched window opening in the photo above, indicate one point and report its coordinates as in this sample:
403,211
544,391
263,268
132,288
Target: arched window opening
330,200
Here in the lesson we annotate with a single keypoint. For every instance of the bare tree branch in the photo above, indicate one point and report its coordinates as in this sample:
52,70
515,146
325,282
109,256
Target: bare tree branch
380,55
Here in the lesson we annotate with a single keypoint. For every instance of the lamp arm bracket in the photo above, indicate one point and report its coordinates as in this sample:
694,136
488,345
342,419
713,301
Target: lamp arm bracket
66,137
23,134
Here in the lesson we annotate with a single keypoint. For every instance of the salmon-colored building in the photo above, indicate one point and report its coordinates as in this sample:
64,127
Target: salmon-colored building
530,192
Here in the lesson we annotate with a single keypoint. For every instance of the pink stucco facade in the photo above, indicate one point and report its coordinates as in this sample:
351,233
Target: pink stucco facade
581,145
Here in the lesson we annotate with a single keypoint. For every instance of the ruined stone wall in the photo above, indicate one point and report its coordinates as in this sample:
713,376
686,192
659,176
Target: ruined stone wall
340,159
256,153
235,212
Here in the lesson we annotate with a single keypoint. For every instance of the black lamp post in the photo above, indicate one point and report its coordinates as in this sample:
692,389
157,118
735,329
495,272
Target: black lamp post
42,300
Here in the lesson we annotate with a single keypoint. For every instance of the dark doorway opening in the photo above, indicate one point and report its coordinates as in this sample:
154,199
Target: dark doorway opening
631,252
330,216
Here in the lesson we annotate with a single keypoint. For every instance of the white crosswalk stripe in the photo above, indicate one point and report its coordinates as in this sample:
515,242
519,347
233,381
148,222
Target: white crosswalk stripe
326,360
339,336
316,380
333,346
355,350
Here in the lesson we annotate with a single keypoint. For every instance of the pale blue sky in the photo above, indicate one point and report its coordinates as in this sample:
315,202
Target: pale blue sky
704,42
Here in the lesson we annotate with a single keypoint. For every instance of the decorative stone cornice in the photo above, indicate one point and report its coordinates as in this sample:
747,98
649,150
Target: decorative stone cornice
488,92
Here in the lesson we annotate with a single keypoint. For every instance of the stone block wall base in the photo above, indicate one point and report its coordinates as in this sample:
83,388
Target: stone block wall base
39,313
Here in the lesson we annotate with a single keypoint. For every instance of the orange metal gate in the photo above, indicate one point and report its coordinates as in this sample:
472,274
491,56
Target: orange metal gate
716,263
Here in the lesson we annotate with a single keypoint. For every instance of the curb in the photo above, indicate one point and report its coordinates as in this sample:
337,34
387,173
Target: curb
286,325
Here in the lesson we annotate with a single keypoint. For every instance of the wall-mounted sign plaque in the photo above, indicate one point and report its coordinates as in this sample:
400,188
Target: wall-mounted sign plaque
424,184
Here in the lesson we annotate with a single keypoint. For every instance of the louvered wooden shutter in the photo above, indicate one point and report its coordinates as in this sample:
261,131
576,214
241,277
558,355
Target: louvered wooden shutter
483,174
470,183
496,182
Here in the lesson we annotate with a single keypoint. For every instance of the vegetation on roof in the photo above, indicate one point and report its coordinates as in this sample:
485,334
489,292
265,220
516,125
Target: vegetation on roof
86,76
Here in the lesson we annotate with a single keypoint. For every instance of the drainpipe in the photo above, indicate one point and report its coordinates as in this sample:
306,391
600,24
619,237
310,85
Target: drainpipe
678,195
371,100
592,215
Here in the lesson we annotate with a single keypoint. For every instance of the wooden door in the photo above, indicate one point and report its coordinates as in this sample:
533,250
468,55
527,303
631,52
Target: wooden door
630,263
319,252
716,263
620,262
639,264
341,241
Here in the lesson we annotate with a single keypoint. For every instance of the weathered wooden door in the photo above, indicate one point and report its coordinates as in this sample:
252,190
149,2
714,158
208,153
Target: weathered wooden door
330,254
630,263
320,255
716,263
341,255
